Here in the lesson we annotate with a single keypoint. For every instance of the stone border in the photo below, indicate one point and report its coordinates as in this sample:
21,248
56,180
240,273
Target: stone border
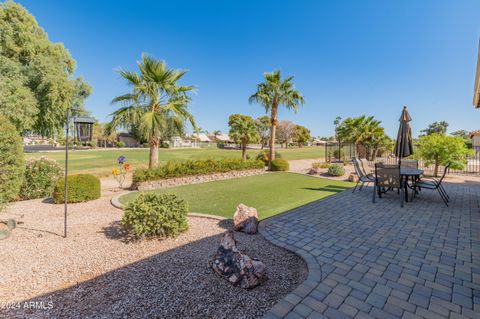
195,179
287,303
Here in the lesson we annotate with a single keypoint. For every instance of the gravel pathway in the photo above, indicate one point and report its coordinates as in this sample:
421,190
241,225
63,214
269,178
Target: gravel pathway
97,273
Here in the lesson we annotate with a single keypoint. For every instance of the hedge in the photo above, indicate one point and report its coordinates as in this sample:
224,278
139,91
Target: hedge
12,165
194,167
81,188
41,175
279,164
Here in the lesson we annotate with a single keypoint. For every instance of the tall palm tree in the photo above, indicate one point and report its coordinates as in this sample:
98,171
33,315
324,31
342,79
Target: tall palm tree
156,104
243,131
272,93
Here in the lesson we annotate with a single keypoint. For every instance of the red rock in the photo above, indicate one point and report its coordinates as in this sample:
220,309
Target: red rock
245,219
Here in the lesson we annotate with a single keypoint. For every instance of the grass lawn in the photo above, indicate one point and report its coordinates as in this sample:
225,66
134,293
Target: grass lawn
270,194
101,161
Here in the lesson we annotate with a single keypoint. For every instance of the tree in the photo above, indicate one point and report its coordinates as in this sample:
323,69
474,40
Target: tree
271,94
216,133
435,128
263,125
102,136
286,132
461,133
36,75
157,104
440,149
302,135
363,131
243,131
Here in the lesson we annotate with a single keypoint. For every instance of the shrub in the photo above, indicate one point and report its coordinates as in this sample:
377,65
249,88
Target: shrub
279,164
338,154
265,155
11,162
41,175
320,165
194,167
336,170
151,214
120,144
81,188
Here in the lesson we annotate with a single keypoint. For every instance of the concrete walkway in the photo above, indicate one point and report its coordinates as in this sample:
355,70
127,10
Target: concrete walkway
382,261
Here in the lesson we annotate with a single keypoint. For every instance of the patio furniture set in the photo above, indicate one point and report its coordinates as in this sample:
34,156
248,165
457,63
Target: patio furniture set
402,177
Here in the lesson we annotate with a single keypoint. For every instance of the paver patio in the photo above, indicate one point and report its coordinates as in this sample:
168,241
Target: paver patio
382,261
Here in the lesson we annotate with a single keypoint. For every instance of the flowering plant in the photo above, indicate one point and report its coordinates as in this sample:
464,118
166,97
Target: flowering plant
121,170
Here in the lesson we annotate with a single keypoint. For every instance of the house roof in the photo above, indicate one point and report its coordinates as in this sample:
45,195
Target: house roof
476,92
474,133
223,137
202,137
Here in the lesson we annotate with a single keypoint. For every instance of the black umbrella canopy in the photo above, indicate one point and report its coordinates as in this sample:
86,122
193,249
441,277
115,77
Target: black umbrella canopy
404,143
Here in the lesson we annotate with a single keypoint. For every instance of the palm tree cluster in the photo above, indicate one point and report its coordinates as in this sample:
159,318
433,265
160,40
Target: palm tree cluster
366,133
273,93
157,104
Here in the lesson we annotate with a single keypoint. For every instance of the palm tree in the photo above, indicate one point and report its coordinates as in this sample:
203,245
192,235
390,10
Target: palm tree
243,131
272,93
157,104
216,133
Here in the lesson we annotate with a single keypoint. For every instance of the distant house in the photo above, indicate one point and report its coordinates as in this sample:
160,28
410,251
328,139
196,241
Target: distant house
475,136
223,138
476,91
128,139
200,137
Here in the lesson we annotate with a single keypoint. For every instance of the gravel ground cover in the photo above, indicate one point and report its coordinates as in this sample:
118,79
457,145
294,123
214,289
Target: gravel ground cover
98,273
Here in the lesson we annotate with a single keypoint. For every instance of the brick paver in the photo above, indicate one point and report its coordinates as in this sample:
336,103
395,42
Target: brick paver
379,260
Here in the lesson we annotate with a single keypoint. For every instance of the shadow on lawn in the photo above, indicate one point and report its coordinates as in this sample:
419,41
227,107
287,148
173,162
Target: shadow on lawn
328,188
176,283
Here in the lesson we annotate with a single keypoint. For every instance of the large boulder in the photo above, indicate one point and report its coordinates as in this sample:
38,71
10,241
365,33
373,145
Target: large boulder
245,219
236,267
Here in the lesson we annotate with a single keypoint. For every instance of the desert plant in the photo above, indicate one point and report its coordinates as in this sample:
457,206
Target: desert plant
336,170
317,165
120,144
81,188
41,175
279,164
11,162
151,214
264,156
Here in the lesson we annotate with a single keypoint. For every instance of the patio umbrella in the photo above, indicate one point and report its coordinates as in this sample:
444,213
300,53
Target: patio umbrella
404,143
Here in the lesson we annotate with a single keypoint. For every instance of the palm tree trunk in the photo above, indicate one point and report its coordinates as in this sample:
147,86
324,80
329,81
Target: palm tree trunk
244,150
273,130
153,160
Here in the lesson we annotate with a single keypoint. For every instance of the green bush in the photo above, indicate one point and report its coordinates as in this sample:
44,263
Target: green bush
81,188
12,164
194,167
41,175
151,214
265,155
336,170
279,164
165,145
120,144
320,165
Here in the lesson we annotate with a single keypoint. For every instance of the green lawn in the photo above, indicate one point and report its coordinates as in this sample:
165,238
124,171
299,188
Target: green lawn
101,161
271,193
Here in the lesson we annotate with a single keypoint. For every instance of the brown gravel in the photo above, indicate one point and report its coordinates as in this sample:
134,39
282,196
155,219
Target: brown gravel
97,273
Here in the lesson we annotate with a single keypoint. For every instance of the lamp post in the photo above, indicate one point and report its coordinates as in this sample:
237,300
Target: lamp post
83,126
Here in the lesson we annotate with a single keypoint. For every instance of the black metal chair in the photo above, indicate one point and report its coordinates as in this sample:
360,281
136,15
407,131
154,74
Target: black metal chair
408,163
387,177
363,177
435,184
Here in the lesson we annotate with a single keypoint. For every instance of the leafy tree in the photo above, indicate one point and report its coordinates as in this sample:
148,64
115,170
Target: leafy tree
440,149
216,133
461,133
243,131
263,124
101,134
435,128
157,105
36,74
302,135
271,94
286,132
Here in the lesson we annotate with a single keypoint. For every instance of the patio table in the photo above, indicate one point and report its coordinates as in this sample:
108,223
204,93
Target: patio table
406,174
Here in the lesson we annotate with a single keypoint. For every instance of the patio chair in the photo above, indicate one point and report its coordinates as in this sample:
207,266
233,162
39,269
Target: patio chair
387,177
435,184
363,177
366,169
408,163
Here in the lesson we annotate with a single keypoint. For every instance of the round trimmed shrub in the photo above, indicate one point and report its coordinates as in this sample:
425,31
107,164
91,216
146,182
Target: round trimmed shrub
156,215
336,170
279,164
12,164
265,155
41,175
81,188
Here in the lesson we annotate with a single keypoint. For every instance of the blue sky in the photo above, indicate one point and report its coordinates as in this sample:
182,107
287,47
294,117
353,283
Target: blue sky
348,57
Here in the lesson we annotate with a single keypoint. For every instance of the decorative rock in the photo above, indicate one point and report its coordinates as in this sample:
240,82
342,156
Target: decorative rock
245,219
353,178
236,267
313,171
